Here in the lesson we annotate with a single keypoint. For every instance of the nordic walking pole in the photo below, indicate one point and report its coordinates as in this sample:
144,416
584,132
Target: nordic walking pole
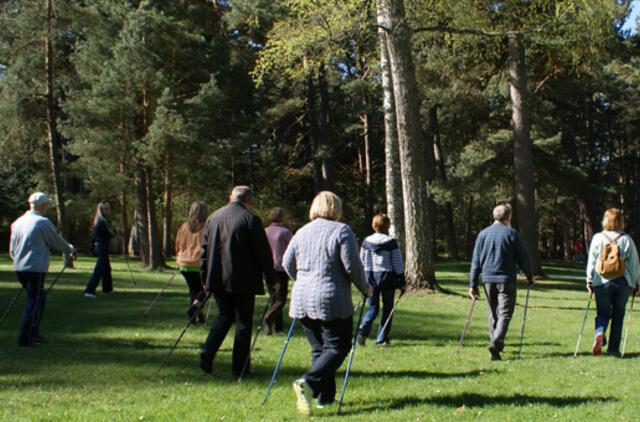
353,349
524,319
384,326
466,324
13,302
146,311
206,318
57,277
184,330
584,321
275,372
626,331
253,343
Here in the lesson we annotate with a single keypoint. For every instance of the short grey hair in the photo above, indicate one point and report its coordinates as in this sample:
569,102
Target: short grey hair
502,212
242,193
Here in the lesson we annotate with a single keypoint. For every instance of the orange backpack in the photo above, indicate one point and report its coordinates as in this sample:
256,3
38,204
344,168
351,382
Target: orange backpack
610,263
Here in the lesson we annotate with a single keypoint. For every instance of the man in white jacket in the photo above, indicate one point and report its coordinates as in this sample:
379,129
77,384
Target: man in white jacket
31,237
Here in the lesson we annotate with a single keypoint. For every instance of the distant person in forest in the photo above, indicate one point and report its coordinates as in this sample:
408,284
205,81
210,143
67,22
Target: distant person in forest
322,258
235,257
577,251
188,248
497,250
279,237
103,231
612,291
31,237
384,271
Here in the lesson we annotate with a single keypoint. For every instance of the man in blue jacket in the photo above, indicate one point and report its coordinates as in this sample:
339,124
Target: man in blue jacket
497,250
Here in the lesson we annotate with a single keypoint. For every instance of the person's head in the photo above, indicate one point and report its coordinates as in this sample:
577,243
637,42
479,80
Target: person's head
102,210
613,220
38,201
276,215
502,213
197,216
326,205
381,223
242,194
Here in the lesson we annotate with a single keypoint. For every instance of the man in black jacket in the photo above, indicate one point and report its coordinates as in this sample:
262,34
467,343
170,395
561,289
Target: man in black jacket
235,255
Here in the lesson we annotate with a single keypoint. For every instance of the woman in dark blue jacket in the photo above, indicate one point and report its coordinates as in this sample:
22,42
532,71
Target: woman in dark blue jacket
102,233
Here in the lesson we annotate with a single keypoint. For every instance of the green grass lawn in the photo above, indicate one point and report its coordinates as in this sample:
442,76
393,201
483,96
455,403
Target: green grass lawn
101,362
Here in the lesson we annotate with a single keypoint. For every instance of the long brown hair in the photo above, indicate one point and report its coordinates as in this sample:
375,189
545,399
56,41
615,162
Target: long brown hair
197,216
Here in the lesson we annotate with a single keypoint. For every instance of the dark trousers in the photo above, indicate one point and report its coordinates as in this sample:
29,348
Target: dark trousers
611,301
277,299
330,344
501,301
236,308
196,289
102,270
33,283
372,313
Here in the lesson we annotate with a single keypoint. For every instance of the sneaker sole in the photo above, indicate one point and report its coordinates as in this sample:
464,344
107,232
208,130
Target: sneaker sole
597,345
303,406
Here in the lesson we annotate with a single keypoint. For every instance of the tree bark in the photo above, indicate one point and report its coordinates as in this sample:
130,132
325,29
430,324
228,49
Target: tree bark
418,262
167,215
395,206
314,135
124,204
367,183
522,154
325,135
452,247
429,158
153,238
141,215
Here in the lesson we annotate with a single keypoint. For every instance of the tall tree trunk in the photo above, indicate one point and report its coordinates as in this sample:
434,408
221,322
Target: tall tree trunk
522,154
452,247
53,136
153,236
124,204
314,135
395,206
429,160
419,271
468,232
168,206
141,215
325,135
368,188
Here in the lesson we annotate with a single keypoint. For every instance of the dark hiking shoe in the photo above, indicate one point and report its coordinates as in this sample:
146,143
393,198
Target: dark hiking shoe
495,353
39,339
361,339
206,364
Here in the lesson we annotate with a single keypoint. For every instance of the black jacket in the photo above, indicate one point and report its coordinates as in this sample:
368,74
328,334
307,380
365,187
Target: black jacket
235,252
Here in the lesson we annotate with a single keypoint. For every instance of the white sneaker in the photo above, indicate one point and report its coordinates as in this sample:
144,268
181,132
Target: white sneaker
91,295
304,396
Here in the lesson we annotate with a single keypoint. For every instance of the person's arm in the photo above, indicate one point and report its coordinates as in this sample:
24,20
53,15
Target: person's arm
53,239
476,264
592,259
289,260
522,257
204,258
633,265
351,260
398,267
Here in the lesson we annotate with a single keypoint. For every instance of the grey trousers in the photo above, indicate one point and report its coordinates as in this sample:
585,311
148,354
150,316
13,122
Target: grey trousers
501,301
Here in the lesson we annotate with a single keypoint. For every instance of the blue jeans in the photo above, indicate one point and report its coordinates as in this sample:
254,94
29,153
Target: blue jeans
374,306
33,283
102,270
611,301
330,344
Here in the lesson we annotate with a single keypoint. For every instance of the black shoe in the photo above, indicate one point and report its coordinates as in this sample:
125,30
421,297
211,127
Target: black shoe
495,353
38,338
361,339
206,364
201,318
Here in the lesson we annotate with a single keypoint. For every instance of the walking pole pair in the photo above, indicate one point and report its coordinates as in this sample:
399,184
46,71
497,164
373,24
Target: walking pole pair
524,319
144,314
253,343
197,311
353,349
626,331
384,327
466,324
584,321
275,372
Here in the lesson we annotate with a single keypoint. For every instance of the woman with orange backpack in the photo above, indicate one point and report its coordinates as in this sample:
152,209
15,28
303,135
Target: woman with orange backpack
612,272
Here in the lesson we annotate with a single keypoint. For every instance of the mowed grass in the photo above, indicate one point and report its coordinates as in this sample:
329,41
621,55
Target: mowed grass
101,362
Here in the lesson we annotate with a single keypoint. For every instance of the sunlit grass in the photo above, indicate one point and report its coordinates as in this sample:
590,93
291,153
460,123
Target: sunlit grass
101,362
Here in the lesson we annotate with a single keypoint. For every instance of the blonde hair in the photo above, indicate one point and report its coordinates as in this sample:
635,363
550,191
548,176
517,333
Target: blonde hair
613,220
100,211
381,223
326,205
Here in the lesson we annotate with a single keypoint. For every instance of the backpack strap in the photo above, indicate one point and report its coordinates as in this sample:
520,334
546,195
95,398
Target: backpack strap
614,240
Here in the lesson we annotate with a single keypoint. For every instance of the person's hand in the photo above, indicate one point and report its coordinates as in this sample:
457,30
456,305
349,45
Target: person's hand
474,293
73,252
636,291
590,288
531,282
369,292
403,290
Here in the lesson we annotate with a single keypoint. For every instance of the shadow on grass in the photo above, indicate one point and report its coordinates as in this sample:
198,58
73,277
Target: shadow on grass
471,400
